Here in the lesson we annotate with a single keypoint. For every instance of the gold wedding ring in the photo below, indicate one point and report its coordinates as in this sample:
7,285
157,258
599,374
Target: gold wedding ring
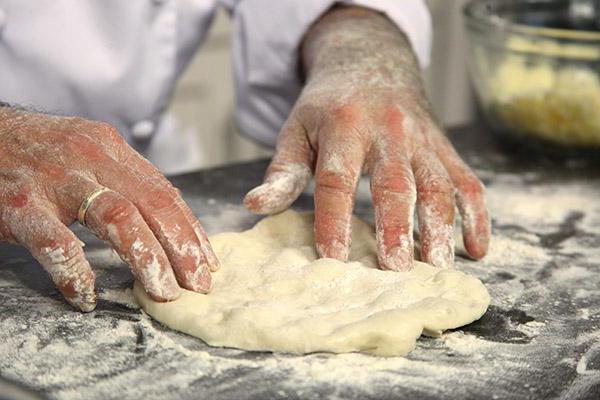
87,202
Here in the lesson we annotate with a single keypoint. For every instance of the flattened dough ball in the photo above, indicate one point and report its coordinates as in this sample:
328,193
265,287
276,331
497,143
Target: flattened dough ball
273,294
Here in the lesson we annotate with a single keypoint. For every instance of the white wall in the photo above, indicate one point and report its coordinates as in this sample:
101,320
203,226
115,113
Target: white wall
203,101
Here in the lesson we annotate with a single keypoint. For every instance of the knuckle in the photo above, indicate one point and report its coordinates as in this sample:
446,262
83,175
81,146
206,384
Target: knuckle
118,211
393,116
349,120
108,130
472,186
19,197
149,175
83,144
17,213
329,180
64,260
394,182
162,200
348,111
436,186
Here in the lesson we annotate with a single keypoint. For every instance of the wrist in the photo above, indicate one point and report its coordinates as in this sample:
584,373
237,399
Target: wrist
359,45
355,54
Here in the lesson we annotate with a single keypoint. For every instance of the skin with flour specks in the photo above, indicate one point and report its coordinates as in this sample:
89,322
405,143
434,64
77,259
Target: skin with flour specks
48,165
363,108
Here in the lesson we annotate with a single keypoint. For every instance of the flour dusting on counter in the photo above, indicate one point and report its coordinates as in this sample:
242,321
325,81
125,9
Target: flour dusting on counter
539,339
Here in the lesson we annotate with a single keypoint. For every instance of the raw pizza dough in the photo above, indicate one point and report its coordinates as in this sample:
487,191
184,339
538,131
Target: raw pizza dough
272,293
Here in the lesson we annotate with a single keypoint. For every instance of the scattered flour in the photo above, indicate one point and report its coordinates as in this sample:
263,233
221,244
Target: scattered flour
505,251
73,355
583,313
465,343
540,206
120,296
572,273
43,360
531,328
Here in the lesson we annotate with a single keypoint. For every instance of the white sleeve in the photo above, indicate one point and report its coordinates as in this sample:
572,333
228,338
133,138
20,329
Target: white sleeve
267,37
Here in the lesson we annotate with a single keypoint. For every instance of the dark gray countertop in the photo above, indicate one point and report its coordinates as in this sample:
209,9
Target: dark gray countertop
539,339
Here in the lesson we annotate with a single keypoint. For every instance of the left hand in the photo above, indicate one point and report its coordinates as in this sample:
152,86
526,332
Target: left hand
361,115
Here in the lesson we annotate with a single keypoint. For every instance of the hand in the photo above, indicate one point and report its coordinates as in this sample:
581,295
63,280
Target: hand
363,108
49,165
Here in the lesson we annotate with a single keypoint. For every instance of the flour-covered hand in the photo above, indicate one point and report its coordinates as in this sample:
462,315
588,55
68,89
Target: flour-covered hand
363,109
49,165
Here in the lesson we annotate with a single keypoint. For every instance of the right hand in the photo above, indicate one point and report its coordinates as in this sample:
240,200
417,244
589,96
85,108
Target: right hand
49,165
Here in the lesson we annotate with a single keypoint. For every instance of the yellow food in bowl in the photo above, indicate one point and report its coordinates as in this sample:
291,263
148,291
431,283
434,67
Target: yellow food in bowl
547,98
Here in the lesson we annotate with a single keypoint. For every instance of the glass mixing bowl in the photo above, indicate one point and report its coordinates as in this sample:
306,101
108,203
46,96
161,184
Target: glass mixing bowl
535,65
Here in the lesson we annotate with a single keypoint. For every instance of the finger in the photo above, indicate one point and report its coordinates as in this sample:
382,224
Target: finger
205,246
394,195
139,163
435,209
470,198
158,202
129,174
115,219
59,252
287,175
338,169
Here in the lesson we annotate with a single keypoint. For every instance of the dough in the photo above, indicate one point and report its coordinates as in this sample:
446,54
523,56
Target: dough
272,293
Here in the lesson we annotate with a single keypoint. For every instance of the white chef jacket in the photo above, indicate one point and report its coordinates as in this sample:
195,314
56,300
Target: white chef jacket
118,60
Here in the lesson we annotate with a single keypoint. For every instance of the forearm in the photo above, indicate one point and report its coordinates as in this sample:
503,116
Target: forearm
351,46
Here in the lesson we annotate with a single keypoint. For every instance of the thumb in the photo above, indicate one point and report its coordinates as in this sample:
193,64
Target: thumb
287,175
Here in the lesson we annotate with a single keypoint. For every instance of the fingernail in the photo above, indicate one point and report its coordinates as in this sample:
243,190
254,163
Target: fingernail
438,248
475,243
89,304
85,301
79,292
201,280
171,290
336,250
265,199
161,285
441,256
213,262
399,258
251,197
277,194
